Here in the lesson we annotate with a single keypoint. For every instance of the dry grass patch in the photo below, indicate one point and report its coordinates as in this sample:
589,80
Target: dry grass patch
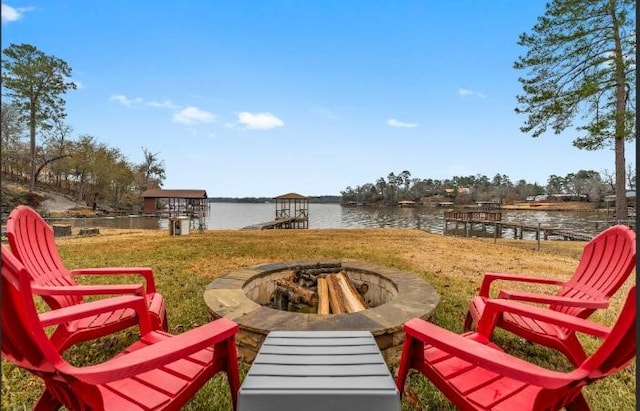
184,265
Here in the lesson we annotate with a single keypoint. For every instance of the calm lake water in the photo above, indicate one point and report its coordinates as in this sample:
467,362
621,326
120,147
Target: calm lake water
225,216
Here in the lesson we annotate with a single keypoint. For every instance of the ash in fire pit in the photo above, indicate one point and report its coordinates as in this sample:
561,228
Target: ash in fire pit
321,288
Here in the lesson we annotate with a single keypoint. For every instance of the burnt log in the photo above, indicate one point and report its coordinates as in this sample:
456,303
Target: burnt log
295,292
362,289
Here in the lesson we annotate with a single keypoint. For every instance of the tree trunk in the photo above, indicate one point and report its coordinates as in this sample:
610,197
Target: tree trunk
46,163
32,146
620,131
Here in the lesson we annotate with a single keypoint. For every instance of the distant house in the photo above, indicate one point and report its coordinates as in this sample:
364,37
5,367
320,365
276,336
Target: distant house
406,204
452,192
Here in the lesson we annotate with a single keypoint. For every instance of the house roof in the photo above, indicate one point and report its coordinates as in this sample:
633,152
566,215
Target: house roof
158,193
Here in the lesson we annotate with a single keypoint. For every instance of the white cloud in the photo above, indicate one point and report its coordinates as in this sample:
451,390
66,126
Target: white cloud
10,14
124,100
259,121
395,123
163,104
467,92
192,115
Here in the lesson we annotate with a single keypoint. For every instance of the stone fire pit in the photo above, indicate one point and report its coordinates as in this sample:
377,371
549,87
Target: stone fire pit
394,297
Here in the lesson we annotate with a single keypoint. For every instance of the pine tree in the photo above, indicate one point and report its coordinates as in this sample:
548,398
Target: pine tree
580,63
34,81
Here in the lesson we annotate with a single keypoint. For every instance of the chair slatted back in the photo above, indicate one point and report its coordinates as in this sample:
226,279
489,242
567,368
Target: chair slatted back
606,263
19,341
25,343
32,240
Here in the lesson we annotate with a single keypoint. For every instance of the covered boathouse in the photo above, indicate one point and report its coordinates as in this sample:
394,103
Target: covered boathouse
174,203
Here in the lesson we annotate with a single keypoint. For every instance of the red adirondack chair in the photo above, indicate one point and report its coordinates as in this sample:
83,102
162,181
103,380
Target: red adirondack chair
475,374
32,241
605,264
160,371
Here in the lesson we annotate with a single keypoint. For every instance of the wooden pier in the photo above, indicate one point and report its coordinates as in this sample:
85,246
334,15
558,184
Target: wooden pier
631,222
281,223
471,223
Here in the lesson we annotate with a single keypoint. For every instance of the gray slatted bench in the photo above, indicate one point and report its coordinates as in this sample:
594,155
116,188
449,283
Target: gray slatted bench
318,370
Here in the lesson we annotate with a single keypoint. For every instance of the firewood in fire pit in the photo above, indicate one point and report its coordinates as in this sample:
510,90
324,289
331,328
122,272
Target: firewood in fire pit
335,295
323,296
352,299
295,292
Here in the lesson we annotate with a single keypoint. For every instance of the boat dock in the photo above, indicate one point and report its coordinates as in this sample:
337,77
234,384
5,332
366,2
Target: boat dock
631,222
470,225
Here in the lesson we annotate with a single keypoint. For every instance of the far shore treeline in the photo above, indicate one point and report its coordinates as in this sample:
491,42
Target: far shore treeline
583,185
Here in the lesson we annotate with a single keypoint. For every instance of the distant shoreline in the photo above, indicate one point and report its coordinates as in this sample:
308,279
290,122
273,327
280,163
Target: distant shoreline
261,200
524,206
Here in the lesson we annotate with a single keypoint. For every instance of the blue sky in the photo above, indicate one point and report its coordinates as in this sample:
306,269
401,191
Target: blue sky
261,98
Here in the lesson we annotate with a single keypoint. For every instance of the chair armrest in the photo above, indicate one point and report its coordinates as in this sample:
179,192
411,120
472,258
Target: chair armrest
156,355
77,311
495,308
82,290
145,272
553,299
491,277
487,357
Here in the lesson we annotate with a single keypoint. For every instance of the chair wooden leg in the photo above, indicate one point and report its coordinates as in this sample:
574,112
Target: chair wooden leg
410,349
578,404
47,402
233,372
468,321
574,351
60,338
226,358
165,323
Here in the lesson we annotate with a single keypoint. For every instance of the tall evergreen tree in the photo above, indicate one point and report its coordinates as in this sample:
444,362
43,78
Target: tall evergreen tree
35,82
580,62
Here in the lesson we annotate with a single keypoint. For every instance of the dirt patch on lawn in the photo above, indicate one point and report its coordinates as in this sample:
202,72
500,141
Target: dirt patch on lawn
48,203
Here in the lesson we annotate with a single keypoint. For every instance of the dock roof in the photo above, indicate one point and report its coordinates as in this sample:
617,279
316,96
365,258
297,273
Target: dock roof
158,193
291,195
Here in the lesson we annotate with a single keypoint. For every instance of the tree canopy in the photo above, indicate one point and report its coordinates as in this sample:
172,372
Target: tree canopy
35,83
90,171
580,65
469,189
